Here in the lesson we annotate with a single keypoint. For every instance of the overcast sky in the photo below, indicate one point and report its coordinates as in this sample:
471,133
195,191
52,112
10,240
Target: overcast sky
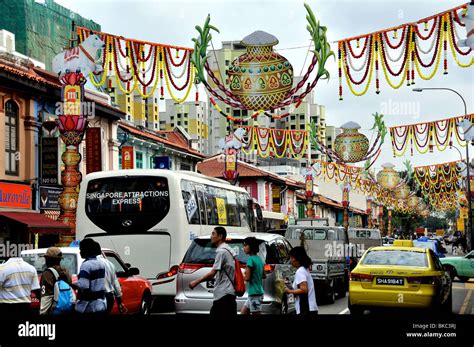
173,22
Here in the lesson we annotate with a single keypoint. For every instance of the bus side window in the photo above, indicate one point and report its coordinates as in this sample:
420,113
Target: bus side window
201,203
233,217
211,206
190,202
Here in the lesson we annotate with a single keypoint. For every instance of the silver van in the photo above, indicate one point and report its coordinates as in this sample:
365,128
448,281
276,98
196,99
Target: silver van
365,238
199,258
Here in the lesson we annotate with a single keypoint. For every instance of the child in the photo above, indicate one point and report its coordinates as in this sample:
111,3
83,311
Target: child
253,275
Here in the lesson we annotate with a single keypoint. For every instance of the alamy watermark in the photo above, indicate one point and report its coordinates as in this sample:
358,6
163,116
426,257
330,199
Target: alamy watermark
400,108
85,109
37,330
12,250
340,250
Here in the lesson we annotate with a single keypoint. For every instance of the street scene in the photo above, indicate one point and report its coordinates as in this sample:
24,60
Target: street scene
262,161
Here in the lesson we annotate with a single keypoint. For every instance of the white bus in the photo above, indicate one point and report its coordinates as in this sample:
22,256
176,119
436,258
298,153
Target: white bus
150,217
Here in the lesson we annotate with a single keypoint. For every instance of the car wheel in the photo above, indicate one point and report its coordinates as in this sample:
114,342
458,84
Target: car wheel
284,305
145,305
463,278
447,306
354,310
452,272
341,290
331,293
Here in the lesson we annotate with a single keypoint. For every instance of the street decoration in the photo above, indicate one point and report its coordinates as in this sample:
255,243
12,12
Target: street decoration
261,79
401,50
231,146
270,142
467,129
309,192
426,135
142,66
388,177
468,21
72,125
402,191
80,58
440,178
351,146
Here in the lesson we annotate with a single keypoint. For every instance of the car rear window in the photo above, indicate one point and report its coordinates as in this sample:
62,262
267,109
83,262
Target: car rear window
69,262
202,251
395,257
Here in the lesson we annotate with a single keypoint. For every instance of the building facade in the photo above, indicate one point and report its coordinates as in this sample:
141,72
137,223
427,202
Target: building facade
276,195
141,148
42,28
30,152
192,117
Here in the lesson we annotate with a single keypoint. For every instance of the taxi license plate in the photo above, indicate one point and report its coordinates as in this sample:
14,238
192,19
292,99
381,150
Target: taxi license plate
210,284
390,281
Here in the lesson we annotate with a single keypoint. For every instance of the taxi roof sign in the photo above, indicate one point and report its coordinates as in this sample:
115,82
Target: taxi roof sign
403,243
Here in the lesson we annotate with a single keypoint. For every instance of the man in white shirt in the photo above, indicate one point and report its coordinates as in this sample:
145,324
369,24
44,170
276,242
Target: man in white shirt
17,280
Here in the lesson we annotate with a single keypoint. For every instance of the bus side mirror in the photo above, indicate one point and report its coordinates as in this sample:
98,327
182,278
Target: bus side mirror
258,210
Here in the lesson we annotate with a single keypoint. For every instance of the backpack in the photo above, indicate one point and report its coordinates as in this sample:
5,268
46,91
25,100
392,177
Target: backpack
64,298
238,282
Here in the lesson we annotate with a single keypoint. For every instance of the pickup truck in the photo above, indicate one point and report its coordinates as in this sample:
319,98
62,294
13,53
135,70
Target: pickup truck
328,247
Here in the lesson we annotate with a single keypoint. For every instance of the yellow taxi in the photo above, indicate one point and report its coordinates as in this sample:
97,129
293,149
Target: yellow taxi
399,276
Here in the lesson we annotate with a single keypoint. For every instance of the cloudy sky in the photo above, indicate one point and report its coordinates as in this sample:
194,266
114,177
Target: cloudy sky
173,22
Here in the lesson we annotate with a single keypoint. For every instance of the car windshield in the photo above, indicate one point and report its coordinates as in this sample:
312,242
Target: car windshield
202,251
395,257
38,261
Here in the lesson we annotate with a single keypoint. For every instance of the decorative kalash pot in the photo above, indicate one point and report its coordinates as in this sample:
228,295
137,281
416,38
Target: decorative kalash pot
412,201
351,146
260,78
388,177
402,191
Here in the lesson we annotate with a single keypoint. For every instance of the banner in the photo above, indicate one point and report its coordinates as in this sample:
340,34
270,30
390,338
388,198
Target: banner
221,212
93,150
127,157
15,195
49,198
49,161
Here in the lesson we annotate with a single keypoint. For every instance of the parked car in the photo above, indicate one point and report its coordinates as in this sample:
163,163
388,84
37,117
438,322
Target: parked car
400,276
274,249
462,267
136,290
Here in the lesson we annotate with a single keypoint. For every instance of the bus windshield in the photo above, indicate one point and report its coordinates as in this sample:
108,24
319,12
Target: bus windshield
128,204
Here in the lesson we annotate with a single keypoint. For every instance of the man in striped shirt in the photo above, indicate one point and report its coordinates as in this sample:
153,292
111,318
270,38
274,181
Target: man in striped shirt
17,280
91,281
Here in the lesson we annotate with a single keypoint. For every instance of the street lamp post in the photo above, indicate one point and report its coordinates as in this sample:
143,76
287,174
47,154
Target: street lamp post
468,177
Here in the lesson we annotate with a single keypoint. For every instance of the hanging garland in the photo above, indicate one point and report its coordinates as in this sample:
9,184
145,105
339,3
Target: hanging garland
337,172
143,67
437,180
276,142
412,46
424,136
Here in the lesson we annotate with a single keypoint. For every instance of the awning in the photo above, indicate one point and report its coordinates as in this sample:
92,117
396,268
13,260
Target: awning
36,222
273,215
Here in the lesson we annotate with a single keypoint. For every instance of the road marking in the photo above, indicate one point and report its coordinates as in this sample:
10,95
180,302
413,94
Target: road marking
466,302
344,311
